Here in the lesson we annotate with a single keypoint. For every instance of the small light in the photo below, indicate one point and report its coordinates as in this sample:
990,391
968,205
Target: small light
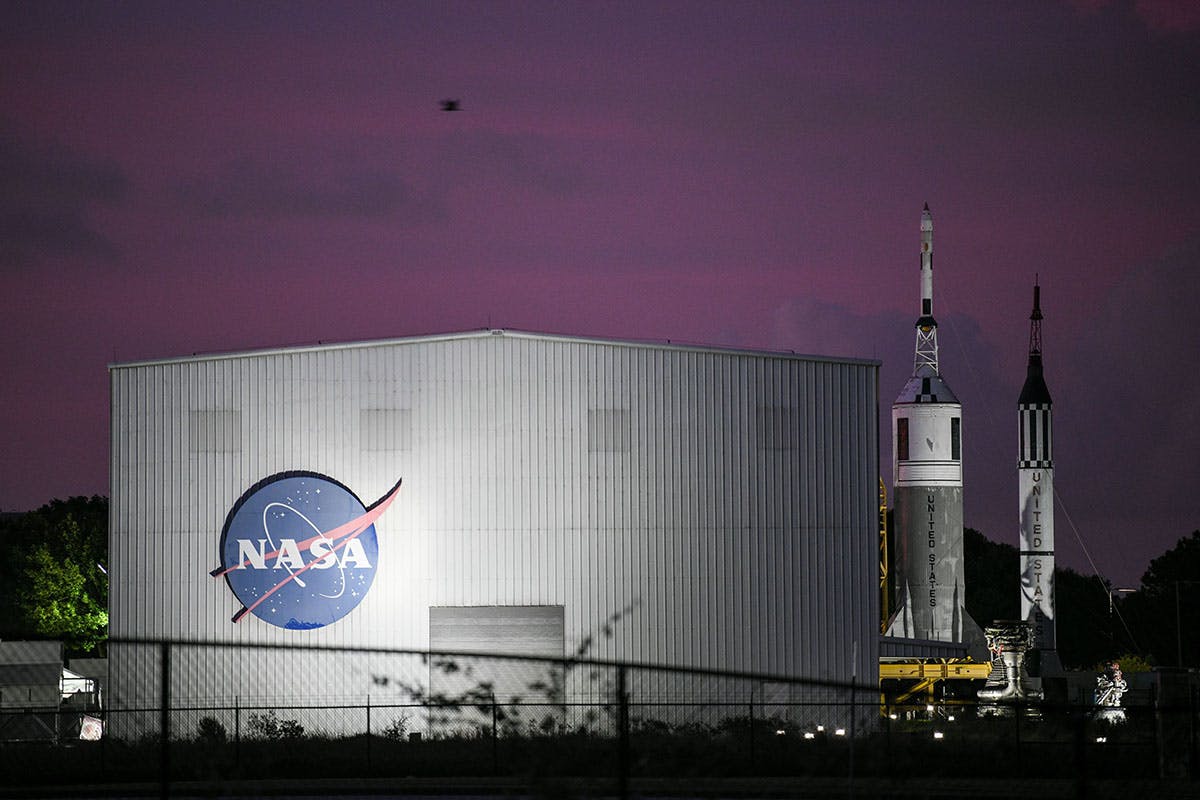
950,718
840,732
820,729
780,731
892,716
809,735
938,735
1101,739
929,709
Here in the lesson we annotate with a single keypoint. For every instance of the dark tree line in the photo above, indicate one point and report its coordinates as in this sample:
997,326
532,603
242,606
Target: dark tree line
1158,621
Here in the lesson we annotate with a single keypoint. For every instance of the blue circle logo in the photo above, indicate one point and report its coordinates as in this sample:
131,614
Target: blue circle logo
299,550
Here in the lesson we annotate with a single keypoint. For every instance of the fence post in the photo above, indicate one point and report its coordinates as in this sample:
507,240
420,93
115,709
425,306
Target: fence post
622,734
887,728
104,730
495,739
368,733
853,732
751,709
1079,721
164,721
237,730
1193,709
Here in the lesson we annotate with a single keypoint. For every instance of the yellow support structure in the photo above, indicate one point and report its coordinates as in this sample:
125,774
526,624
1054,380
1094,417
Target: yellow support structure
935,670
884,609
922,676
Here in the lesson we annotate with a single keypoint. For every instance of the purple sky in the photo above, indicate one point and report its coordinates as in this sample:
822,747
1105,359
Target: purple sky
215,176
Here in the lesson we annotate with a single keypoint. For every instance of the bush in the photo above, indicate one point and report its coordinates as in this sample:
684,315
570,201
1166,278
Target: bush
1129,662
210,730
290,729
269,726
397,728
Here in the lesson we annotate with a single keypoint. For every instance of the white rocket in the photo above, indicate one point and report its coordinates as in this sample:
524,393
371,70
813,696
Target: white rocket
1035,471
927,489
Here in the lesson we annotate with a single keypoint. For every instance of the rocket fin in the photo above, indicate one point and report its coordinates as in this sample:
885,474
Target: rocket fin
901,624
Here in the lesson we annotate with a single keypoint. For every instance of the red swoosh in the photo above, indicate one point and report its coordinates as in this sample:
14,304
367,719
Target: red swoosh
339,532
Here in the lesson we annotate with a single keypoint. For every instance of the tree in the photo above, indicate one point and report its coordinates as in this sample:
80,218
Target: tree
64,588
16,540
1180,564
991,572
1086,630
1164,613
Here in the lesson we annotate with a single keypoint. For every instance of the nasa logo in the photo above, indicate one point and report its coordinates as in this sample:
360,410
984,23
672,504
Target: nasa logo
299,550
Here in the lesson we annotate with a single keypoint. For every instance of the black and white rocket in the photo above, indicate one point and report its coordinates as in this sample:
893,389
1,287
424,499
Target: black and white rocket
927,484
1035,471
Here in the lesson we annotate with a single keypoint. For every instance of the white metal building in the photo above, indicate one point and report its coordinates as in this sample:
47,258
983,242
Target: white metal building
727,499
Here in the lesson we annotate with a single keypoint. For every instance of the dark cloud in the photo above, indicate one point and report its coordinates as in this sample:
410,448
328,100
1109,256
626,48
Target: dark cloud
47,194
280,188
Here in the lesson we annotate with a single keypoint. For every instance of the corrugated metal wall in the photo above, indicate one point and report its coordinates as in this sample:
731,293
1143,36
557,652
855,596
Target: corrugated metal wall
727,499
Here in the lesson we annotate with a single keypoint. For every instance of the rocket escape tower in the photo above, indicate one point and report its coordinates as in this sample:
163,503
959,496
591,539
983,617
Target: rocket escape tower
927,490
925,361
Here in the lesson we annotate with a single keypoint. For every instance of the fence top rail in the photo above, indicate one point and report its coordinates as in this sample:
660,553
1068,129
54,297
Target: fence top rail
566,661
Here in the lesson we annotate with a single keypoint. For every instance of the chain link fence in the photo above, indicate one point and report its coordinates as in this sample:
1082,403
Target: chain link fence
529,719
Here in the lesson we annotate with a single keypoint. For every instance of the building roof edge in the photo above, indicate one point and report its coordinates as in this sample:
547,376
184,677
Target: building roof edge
484,333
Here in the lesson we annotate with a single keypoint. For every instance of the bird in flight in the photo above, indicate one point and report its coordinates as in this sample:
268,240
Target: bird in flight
451,105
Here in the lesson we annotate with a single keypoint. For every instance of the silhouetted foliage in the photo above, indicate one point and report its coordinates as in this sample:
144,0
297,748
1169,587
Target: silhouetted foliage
397,729
270,727
18,535
991,570
1086,626
53,583
538,709
1180,564
210,730
1163,614
1092,627
1129,662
